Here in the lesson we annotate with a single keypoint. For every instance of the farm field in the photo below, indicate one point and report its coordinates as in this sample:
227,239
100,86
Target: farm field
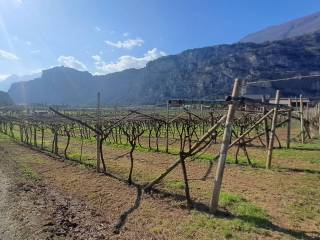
159,120
55,198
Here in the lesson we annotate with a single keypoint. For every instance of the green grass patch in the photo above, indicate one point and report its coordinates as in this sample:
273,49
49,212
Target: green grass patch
307,205
29,173
85,160
173,185
239,207
205,226
315,161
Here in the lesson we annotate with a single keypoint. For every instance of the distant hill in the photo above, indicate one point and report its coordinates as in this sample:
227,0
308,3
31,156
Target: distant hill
6,84
294,28
5,99
204,73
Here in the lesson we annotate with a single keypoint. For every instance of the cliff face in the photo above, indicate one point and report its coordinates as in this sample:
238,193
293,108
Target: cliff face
204,73
5,99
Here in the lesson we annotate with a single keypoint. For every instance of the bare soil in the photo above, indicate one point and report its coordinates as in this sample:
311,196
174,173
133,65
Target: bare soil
44,198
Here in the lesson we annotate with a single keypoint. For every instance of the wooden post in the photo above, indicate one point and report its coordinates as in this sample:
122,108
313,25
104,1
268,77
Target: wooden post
185,178
319,119
202,116
98,126
223,150
167,129
301,120
193,149
265,121
272,132
307,112
289,125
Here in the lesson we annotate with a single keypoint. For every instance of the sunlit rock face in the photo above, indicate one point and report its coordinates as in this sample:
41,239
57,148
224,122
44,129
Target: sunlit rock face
204,73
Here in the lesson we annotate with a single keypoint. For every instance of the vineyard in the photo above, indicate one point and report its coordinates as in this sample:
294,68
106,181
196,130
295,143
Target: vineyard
180,152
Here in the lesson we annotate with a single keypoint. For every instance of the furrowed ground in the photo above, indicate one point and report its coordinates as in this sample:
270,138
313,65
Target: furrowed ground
45,198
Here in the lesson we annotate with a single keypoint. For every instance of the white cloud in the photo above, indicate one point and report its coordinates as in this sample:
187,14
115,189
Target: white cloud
72,62
18,2
35,51
8,55
4,77
96,58
111,32
97,29
126,34
128,44
28,43
126,62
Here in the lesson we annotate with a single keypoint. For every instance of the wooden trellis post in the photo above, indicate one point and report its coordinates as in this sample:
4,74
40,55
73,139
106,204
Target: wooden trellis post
167,129
265,123
319,118
289,124
301,120
272,132
224,149
98,128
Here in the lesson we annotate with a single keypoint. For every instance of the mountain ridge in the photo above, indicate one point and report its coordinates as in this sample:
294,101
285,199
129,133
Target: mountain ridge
293,28
204,73
6,84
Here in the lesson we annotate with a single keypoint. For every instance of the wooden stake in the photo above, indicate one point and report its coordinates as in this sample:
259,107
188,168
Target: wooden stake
167,129
272,132
319,124
193,149
301,120
223,150
98,126
265,122
185,178
289,125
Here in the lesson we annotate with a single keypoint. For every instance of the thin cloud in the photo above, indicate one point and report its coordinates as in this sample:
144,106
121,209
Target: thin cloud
8,55
127,44
71,62
18,2
35,51
4,77
126,62
97,29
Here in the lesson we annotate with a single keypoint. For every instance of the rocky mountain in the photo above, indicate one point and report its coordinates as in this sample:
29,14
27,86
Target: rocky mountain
6,84
5,99
204,73
294,28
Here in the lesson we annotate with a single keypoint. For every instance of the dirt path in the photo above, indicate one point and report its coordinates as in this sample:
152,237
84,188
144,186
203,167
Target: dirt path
33,210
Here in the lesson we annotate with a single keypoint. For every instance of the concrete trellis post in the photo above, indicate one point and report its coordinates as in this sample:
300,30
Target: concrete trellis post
224,150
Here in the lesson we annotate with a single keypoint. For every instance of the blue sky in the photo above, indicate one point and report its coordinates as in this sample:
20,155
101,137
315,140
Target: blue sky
104,36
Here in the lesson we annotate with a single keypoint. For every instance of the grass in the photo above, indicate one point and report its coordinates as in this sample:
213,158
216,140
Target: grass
205,226
173,185
307,206
29,173
240,207
246,219
305,152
